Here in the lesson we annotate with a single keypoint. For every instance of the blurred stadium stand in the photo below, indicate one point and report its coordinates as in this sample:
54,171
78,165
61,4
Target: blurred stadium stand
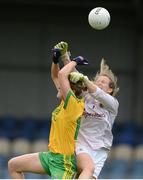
126,157
26,135
21,136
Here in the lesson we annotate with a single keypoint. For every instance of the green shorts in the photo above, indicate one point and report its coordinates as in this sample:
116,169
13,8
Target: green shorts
58,166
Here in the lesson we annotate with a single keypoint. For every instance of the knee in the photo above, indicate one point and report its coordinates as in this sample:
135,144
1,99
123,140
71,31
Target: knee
12,164
86,172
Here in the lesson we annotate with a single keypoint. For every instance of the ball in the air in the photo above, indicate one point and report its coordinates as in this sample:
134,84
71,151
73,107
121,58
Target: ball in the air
99,18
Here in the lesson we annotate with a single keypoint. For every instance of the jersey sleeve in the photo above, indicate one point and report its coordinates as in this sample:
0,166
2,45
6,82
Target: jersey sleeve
106,100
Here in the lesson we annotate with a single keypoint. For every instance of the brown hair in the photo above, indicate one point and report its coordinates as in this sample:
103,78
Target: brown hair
77,88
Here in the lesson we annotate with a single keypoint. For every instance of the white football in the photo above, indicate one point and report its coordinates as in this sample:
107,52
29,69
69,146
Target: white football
99,18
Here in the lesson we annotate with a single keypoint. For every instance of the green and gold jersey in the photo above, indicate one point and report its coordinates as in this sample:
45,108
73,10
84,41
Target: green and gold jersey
65,125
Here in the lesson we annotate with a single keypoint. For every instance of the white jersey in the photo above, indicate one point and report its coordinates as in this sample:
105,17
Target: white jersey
96,124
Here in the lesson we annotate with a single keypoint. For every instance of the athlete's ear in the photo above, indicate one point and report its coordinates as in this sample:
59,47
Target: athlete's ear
110,90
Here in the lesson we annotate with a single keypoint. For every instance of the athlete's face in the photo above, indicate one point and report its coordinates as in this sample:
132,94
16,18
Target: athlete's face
103,83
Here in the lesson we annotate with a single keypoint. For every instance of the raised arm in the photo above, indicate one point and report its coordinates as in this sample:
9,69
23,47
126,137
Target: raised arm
54,74
98,94
55,66
63,78
63,75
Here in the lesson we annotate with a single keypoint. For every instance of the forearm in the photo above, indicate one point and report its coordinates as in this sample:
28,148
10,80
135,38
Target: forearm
54,71
66,70
108,101
67,61
65,58
90,85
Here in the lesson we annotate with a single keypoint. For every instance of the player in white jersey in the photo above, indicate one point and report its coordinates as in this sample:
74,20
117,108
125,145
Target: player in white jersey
95,135
101,108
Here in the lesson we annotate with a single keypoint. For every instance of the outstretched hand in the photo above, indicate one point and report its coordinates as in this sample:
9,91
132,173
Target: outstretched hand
62,46
76,76
80,60
60,50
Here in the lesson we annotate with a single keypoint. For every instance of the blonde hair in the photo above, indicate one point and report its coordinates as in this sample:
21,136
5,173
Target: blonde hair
106,71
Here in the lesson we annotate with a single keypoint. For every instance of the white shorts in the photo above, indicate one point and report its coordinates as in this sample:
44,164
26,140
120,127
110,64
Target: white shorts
98,156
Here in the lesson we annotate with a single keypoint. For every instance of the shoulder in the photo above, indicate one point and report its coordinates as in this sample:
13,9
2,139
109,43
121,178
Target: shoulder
72,100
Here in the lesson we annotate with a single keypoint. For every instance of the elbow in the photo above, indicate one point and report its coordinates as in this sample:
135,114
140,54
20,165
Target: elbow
61,75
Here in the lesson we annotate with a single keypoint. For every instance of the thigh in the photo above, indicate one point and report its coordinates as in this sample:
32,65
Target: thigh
83,158
28,163
84,161
99,157
62,166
